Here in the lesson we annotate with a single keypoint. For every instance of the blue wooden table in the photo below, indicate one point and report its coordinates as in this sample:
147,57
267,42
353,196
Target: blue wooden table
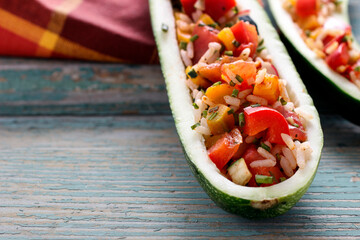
90,151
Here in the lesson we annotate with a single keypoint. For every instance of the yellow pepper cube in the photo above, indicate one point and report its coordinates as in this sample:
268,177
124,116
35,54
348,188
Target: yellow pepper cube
268,89
308,23
227,37
216,93
219,119
206,19
198,80
183,37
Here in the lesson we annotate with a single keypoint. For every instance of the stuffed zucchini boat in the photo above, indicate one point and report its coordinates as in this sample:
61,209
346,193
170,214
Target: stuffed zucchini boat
320,31
250,131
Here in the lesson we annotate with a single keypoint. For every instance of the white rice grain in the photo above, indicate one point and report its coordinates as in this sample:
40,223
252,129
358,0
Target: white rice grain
244,94
232,101
288,141
206,100
260,76
289,156
250,139
196,15
263,163
303,113
256,99
265,154
200,4
190,49
286,167
245,53
212,53
183,26
330,49
202,130
277,149
191,84
184,17
185,58
300,158
283,91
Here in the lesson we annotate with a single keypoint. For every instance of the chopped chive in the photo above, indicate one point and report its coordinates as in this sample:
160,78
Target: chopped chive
261,42
217,83
264,146
195,126
275,180
201,25
193,38
235,43
231,111
295,125
278,157
212,116
229,24
229,53
357,69
259,49
195,106
283,102
282,179
239,78
337,2
204,113
241,119
235,10
213,25
183,45
192,73
307,32
164,27
235,93
264,179
255,105
214,109
256,141
232,83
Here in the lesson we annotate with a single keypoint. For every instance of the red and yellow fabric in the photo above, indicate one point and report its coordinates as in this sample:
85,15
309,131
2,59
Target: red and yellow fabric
96,30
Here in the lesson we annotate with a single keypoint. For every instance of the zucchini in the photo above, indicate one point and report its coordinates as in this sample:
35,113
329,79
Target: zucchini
245,201
348,92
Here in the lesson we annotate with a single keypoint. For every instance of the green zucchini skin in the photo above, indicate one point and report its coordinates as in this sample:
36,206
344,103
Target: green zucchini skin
244,201
343,95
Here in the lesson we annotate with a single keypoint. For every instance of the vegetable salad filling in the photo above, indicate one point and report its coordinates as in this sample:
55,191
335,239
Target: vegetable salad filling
253,133
327,36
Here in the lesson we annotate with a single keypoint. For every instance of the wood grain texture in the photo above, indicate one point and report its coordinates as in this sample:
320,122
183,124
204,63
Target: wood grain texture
126,177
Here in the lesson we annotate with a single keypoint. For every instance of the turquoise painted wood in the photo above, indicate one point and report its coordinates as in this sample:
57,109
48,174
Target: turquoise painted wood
81,172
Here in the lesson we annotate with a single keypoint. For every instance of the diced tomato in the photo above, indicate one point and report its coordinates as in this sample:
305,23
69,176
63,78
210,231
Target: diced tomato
251,154
188,6
297,133
305,8
243,86
329,40
266,171
246,70
205,35
225,148
241,48
339,57
258,119
246,33
216,9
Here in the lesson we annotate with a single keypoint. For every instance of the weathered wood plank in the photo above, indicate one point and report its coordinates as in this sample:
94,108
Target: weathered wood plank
117,177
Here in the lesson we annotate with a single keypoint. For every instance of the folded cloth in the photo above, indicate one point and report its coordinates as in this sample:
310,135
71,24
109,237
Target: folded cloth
96,30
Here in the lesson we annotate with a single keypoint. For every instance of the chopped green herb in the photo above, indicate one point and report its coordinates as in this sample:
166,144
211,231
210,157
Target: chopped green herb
183,45
195,106
212,116
241,119
201,25
239,78
282,179
231,111
346,38
204,113
338,2
232,83
261,42
357,69
235,10
164,27
213,25
282,101
192,73
295,125
264,179
217,83
229,24
195,126
256,141
278,157
235,93
264,146
275,180
193,38
229,53
235,43
214,109
259,49
255,105
307,32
